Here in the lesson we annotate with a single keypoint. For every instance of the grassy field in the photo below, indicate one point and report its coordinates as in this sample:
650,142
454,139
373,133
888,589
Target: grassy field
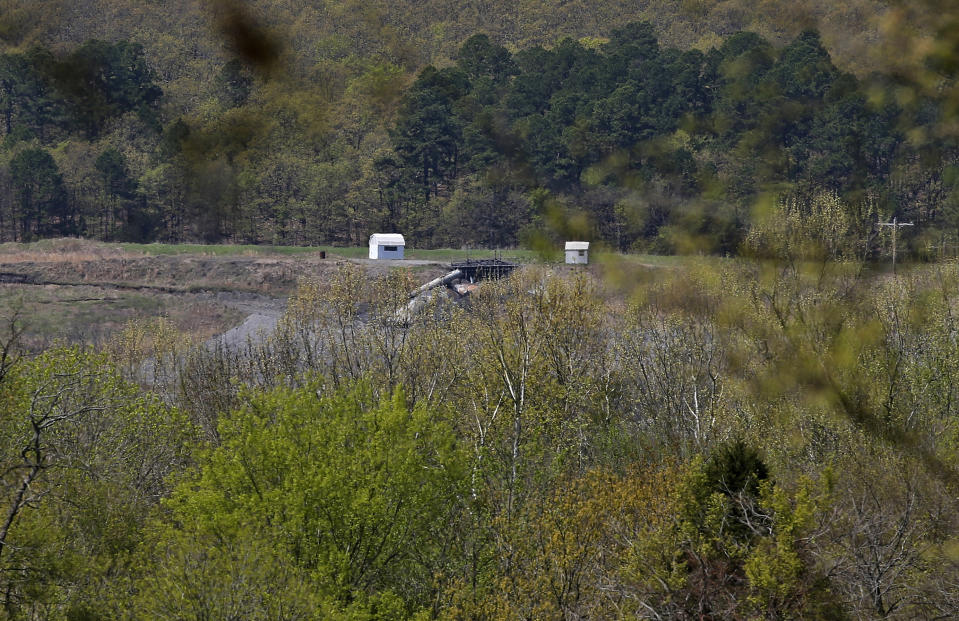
84,291
218,250
444,255
91,314
359,252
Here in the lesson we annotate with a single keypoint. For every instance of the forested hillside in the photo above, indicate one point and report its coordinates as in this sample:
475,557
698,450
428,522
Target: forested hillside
734,439
772,434
460,124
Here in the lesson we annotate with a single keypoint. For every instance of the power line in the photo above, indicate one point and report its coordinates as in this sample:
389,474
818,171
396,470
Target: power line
895,224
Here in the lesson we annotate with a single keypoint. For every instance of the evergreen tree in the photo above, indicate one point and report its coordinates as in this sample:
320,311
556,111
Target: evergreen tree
428,134
40,196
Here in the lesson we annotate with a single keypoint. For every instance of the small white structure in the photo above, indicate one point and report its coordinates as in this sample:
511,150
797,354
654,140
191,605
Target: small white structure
386,246
577,252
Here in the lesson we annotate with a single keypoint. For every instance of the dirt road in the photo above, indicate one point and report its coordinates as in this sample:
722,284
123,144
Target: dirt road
262,313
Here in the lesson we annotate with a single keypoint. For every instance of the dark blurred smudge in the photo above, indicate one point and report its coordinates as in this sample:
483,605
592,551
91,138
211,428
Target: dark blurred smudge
245,36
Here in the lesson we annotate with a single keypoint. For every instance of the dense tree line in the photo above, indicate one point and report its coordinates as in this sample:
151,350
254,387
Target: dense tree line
762,438
617,139
649,144
50,100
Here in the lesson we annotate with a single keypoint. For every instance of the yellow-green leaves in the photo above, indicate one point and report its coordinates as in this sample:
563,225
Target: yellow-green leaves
347,494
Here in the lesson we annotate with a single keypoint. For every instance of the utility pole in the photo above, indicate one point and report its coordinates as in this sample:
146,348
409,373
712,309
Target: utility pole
895,224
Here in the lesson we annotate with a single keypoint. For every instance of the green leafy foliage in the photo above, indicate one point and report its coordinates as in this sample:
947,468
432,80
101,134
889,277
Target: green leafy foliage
99,81
647,146
768,437
764,438
84,458
347,494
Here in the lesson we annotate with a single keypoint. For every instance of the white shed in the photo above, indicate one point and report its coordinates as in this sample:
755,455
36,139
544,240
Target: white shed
577,252
386,246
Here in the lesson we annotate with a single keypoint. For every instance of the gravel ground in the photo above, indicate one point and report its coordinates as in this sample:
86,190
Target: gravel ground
263,314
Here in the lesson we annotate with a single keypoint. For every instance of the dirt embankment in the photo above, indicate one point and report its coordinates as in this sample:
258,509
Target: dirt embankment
83,291
170,274
276,276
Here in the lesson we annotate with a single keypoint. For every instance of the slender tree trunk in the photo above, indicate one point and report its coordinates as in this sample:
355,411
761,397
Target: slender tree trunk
18,503
33,470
